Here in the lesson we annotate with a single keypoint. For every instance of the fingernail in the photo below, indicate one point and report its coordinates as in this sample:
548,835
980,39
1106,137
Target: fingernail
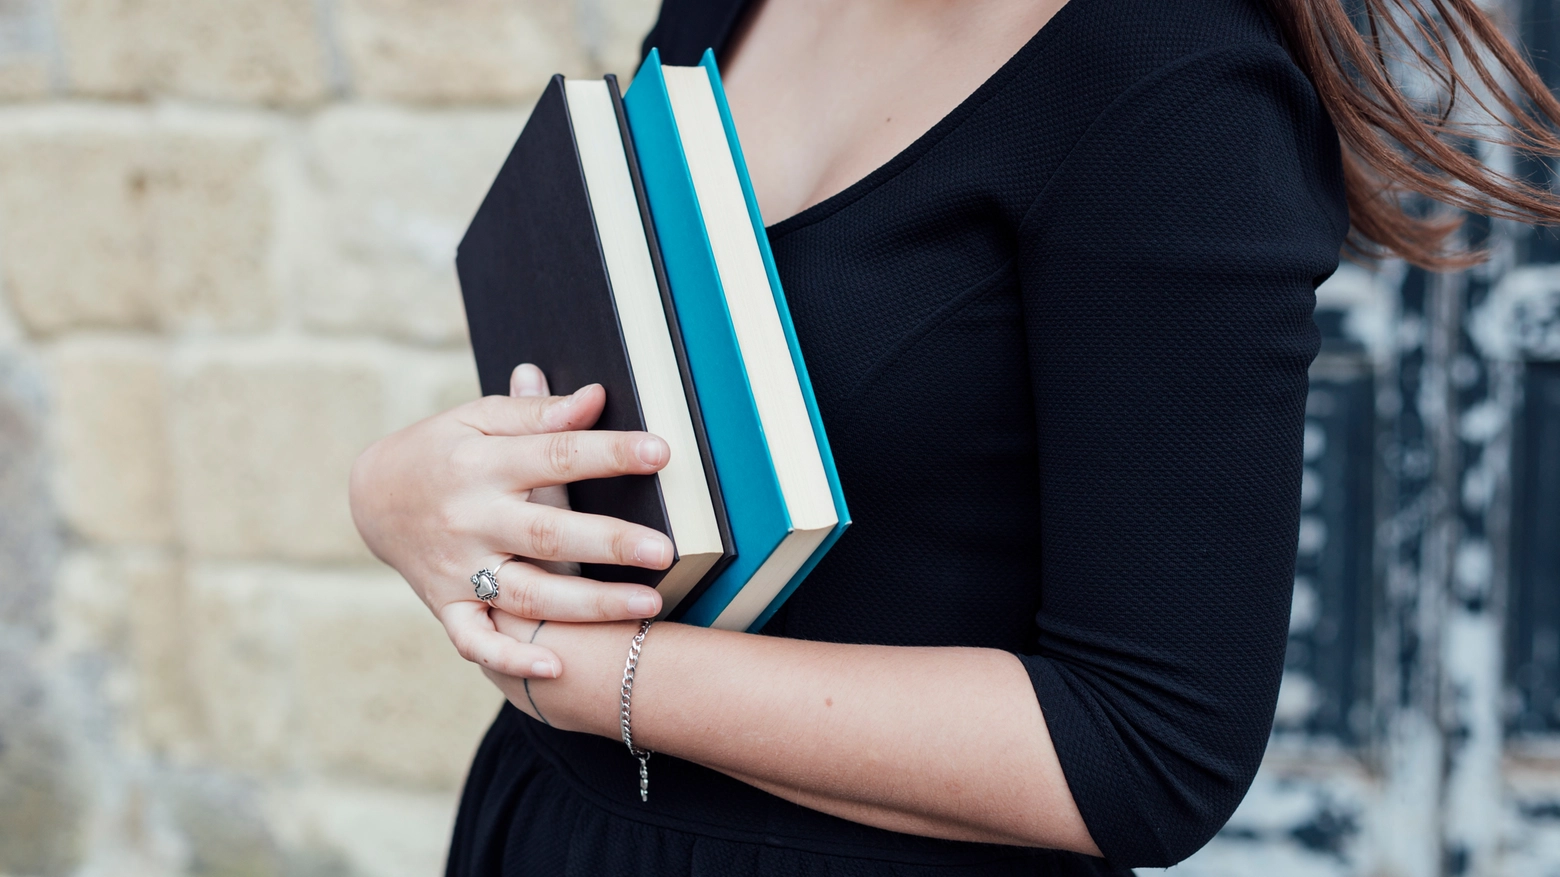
651,552
545,668
643,605
652,451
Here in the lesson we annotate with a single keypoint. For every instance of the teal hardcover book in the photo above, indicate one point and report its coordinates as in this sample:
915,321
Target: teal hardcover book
835,491
784,513
742,463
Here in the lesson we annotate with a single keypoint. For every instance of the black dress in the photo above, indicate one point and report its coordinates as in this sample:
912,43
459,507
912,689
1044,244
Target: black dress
1060,344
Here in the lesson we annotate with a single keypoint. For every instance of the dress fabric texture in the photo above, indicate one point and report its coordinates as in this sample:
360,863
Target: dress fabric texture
1060,345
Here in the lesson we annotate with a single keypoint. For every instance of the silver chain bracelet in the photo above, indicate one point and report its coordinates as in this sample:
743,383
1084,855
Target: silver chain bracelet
623,709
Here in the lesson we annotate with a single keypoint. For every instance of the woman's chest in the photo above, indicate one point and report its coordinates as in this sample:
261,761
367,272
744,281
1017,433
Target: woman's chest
914,337
824,92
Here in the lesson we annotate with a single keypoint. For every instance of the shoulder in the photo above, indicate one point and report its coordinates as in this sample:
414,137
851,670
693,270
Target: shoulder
1111,50
1112,81
1137,36
1194,100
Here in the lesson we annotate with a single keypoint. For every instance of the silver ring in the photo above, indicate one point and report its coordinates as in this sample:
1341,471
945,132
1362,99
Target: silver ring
486,582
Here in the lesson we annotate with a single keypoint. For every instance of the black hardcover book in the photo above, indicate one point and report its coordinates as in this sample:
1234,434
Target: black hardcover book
560,268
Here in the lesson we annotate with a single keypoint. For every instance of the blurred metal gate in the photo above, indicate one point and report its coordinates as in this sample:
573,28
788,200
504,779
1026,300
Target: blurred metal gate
1418,729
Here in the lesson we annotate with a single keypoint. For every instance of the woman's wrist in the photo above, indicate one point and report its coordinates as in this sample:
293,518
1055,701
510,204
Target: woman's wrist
586,696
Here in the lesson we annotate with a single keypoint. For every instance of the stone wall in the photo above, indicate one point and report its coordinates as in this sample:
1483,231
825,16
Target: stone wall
227,231
226,242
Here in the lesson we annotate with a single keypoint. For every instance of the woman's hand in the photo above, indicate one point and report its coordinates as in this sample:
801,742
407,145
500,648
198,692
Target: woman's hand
466,489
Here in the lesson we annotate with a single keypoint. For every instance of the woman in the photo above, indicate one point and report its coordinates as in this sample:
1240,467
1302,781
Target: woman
1052,263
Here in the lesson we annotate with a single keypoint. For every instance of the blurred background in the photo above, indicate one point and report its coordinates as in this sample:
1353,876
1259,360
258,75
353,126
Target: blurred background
226,241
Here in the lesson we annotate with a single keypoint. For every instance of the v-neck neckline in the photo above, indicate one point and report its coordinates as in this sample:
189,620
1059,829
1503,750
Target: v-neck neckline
929,138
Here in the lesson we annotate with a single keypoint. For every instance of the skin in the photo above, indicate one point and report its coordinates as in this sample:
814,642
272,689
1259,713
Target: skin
474,485
825,92
962,754
942,742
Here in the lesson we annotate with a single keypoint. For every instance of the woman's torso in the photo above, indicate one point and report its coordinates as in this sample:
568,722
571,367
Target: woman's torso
905,293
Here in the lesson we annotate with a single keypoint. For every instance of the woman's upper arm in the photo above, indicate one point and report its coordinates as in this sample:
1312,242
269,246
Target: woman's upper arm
1168,273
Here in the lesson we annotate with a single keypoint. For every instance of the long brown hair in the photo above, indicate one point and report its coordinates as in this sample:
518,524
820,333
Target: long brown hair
1394,145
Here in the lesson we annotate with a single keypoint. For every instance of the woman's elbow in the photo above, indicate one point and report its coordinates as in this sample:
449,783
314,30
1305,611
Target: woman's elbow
1177,812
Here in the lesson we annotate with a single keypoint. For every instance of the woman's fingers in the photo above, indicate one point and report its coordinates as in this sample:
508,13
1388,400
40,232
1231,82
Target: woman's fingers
478,641
539,532
533,414
565,457
514,626
527,591
527,380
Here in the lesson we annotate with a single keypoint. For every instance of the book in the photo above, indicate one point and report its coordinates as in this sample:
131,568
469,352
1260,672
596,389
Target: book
761,234
770,452
562,268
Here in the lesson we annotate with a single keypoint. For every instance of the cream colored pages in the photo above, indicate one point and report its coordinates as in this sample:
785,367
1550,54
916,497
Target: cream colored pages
781,408
645,333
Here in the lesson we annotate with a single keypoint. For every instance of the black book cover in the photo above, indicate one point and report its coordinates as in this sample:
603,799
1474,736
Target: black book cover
723,522
535,286
536,289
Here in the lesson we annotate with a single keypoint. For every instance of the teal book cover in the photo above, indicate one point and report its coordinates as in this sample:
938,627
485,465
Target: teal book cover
708,63
754,503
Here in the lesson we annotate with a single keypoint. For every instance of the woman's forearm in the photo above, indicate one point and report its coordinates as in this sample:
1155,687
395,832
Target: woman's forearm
943,742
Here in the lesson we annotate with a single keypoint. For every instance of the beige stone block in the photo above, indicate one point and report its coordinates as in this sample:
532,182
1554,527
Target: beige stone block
124,610
74,224
240,665
221,830
23,78
264,435
167,716
422,383
114,480
339,673
381,692
238,50
474,51
460,386
12,337
393,192
376,829
211,207
111,219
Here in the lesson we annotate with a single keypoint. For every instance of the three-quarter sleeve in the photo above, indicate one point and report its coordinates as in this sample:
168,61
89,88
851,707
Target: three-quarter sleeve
1169,374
